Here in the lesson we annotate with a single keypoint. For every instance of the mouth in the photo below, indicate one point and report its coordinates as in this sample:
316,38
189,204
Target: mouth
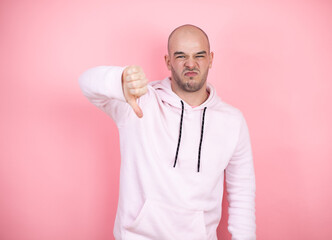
190,74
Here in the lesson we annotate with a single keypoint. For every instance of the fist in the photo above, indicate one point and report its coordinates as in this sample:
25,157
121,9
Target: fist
134,85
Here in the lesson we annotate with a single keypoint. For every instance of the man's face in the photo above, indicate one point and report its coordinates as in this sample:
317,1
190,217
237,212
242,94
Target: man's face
189,60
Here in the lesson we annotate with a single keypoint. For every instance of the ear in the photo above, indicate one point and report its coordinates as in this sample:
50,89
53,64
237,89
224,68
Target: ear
168,62
211,59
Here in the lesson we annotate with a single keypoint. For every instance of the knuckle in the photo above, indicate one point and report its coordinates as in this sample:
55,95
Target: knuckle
135,76
142,84
138,83
137,68
128,70
128,77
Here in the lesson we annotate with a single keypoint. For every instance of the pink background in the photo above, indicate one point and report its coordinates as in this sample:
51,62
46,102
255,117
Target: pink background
60,158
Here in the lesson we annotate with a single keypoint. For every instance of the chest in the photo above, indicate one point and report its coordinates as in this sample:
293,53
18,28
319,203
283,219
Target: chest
212,144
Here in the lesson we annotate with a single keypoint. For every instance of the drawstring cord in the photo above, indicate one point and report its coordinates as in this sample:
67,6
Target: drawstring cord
200,142
179,140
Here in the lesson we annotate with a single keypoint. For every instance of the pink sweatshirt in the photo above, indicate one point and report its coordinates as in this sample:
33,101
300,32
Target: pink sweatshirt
173,162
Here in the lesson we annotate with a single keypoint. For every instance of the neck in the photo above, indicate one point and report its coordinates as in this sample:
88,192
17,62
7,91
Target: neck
192,98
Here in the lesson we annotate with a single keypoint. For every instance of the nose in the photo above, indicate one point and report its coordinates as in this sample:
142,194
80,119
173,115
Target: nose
190,63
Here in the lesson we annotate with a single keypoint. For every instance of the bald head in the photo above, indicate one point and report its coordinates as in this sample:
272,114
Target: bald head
189,60
187,29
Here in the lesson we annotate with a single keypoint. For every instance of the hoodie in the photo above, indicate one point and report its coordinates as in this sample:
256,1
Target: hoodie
174,160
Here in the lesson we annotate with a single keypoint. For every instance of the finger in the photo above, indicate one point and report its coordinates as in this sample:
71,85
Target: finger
135,107
135,76
137,83
137,92
132,69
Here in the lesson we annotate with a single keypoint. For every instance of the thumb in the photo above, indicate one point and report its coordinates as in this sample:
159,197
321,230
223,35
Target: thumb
132,102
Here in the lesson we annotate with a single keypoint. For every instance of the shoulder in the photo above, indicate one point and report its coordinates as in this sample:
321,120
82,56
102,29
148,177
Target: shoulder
225,109
220,107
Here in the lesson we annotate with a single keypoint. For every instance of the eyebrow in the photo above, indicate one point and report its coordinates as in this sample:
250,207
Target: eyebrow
180,53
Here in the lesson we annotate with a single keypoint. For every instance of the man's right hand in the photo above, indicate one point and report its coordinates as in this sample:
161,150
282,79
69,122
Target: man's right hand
134,84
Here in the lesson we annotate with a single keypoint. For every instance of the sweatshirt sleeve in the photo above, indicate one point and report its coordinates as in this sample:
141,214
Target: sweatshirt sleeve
241,187
102,86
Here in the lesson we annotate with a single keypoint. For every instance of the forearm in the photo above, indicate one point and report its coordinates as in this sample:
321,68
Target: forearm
102,82
241,188
102,86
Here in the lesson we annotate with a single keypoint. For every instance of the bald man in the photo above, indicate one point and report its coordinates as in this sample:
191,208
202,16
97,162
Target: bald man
178,141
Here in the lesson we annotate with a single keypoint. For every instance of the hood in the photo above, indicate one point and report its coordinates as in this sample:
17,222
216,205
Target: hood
166,93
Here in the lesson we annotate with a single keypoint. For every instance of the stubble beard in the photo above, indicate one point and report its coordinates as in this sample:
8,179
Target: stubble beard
189,86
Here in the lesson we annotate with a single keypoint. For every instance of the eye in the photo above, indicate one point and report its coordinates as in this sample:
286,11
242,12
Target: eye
180,56
200,56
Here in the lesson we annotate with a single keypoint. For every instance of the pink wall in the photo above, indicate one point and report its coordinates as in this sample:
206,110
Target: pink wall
59,165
